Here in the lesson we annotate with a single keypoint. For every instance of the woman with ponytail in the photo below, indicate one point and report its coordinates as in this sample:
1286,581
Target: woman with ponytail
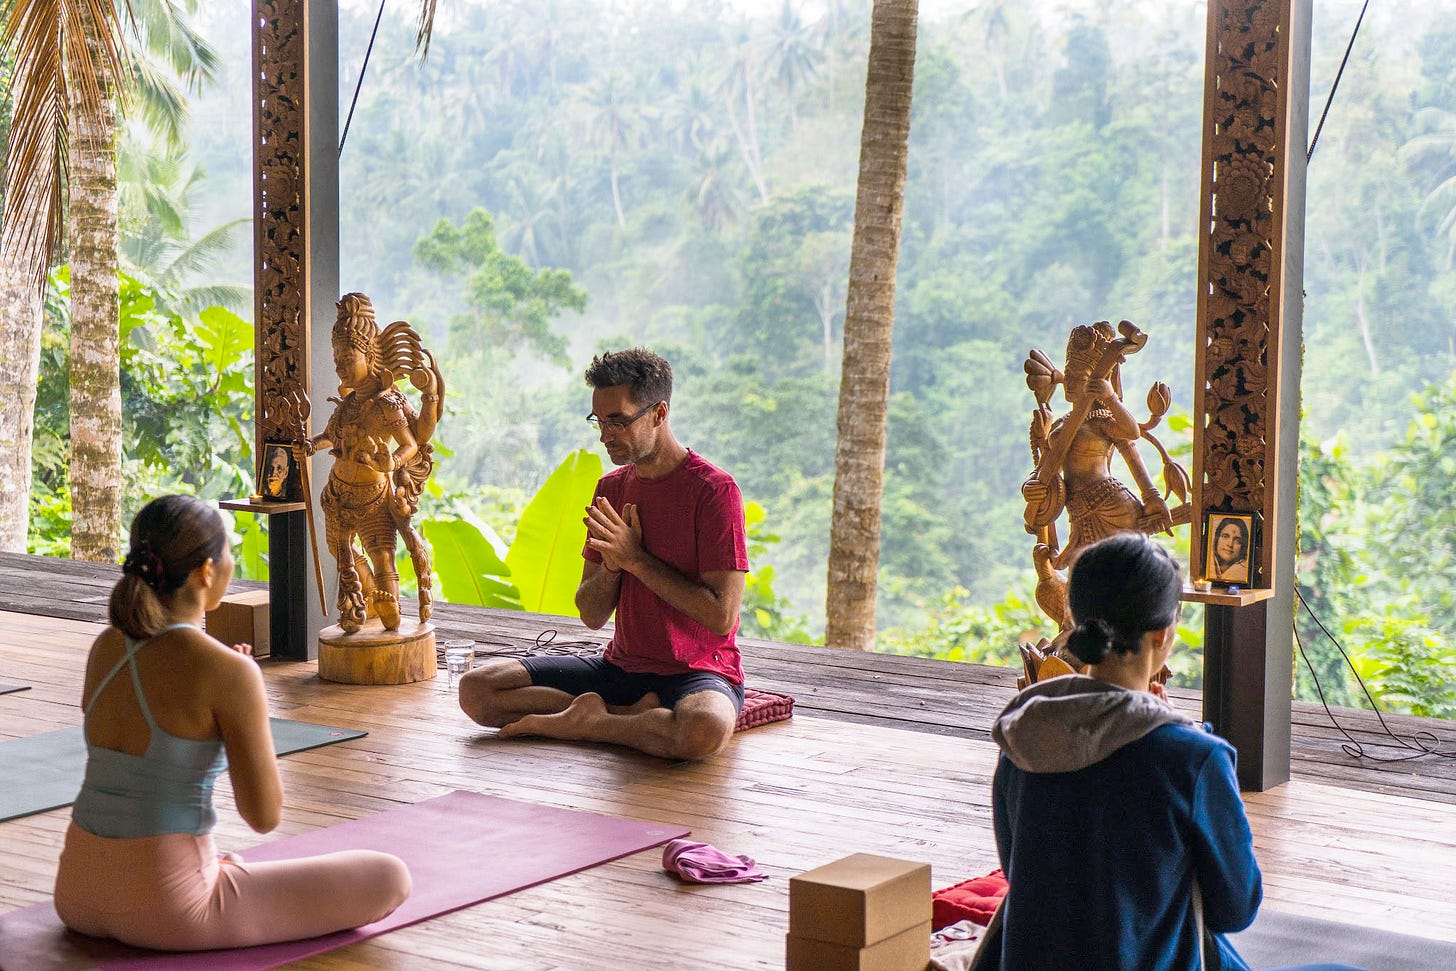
1113,811
167,710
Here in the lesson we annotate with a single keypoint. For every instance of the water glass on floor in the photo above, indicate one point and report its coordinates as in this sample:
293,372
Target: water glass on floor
459,658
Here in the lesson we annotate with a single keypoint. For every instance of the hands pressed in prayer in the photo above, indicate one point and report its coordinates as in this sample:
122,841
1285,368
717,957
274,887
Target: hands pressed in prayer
616,536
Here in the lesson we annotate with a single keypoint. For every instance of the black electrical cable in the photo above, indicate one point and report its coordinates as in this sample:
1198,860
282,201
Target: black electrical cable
545,644
1333,88
1420,744
360,83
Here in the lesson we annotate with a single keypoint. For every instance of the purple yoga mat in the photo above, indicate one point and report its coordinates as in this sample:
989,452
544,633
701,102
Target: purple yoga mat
461,848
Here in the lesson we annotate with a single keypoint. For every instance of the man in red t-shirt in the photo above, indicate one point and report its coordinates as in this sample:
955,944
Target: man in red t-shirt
666,549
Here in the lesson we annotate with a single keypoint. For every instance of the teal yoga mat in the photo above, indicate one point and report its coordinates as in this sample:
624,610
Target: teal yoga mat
44,771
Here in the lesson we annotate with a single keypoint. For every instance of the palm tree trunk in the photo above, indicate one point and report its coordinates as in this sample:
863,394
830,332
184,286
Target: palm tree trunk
746,149
617,197
1166,231
20,320
1364,321
864,385
823,303
95,333
22,292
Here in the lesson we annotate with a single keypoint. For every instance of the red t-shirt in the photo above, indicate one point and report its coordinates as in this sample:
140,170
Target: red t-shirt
692,519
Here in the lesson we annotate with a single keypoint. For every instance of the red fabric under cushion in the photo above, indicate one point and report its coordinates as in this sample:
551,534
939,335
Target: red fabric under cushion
762,707
975,899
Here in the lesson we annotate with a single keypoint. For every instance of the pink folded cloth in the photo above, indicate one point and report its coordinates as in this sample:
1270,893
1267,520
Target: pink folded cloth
702,863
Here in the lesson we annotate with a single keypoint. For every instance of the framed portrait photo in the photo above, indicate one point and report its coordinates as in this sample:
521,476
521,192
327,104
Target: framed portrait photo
278,476
1230,539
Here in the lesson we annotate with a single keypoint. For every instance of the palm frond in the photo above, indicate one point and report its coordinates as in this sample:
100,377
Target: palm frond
153,204
157,101
426,29
234,297
202,253
53,64
35,156
164,30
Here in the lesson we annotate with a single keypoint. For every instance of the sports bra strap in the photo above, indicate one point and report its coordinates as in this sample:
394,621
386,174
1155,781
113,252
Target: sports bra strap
129,658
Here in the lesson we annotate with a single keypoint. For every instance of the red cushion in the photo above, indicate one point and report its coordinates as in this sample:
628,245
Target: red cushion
975,899
762,707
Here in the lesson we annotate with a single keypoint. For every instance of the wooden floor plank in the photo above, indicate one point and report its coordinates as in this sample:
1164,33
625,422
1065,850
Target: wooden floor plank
846,774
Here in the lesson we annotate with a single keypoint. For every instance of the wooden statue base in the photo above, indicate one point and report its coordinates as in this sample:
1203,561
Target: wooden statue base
373,655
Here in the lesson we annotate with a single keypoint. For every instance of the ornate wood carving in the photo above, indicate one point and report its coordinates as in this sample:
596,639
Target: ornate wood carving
1074,471
280,220
1238,305
1246,400
1074,457
382,459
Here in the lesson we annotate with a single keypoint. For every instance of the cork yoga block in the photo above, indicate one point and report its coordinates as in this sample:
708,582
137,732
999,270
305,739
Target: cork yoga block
241,618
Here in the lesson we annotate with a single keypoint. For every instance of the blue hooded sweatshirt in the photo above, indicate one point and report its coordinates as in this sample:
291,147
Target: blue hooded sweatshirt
1107,804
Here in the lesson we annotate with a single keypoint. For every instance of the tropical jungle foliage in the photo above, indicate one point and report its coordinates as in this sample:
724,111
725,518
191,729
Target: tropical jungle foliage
564,176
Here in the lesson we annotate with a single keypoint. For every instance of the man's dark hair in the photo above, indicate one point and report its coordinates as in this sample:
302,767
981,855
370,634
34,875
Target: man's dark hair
647,375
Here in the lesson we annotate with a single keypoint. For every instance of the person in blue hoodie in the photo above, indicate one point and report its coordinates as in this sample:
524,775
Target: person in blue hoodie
1111,809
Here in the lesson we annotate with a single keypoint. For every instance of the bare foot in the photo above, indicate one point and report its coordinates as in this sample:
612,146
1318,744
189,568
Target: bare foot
584,710
647,702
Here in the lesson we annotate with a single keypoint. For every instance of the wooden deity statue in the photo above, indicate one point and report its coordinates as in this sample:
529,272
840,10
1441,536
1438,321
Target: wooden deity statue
1073,456
382,458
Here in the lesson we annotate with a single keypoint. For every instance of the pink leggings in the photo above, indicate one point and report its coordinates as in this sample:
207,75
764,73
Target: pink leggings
172,893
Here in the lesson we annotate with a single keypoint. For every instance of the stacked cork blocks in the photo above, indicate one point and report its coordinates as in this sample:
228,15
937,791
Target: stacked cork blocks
861,913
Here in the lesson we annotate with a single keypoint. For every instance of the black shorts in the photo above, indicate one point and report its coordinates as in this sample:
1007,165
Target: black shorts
578,675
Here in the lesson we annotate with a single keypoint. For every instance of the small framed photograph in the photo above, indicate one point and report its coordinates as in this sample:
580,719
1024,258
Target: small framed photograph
278,477
1229,542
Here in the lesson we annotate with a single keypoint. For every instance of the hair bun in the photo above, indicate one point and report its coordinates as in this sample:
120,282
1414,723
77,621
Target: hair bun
144,564
1091,640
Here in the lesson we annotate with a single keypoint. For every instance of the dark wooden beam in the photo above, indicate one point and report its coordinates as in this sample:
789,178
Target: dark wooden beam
295,271
1250,315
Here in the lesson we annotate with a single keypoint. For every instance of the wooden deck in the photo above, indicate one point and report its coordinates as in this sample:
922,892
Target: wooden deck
885,755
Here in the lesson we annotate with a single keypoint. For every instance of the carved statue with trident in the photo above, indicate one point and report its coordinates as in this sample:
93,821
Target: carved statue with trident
382,459
1073,458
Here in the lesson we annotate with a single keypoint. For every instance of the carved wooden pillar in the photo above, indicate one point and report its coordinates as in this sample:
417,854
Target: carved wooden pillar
295,271
1250,314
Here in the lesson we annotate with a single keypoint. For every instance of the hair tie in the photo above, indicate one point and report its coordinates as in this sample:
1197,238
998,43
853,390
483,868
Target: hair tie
144,564
1102,629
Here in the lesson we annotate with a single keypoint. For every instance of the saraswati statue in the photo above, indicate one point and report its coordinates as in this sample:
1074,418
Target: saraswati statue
382,458
1073,457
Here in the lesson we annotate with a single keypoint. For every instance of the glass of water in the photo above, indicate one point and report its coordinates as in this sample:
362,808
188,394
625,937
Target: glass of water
459,658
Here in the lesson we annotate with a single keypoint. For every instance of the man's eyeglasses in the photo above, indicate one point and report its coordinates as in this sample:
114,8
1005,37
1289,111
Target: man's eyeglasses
614,425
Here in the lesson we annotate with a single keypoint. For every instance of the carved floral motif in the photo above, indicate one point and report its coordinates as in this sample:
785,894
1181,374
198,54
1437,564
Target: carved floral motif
281,272
1240,248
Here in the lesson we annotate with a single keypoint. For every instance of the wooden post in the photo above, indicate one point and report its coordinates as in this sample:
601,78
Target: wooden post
295,270
1250,315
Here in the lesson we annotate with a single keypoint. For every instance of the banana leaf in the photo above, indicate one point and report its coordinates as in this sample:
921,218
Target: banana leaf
253,552
470,572
545,559
226,336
